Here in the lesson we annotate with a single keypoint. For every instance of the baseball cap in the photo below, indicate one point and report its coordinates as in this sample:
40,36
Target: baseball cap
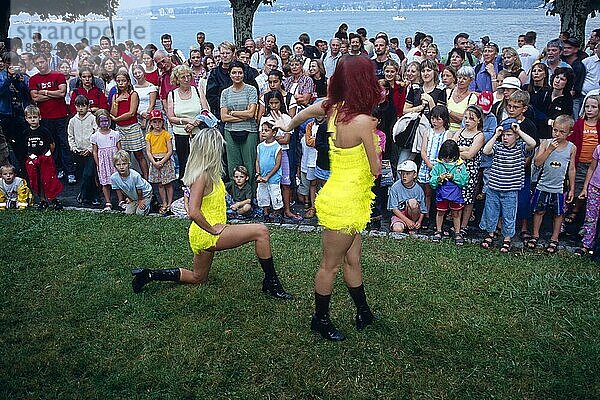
507,123
485,100
510,82
573,41
155,114
407,165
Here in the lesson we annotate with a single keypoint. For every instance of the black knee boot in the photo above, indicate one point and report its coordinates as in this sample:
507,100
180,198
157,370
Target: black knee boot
364,316
141,276
271,284
321,322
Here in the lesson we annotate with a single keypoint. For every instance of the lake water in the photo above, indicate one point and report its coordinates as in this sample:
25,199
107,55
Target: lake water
503,26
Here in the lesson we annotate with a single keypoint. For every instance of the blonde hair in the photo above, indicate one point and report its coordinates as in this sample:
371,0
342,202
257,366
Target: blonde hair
121,155
513,53
32,110
591,97
206,151
520,96
564,120
178,72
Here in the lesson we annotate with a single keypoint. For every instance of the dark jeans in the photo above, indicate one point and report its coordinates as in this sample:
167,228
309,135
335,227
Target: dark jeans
14,128
182,148
88,190
63,158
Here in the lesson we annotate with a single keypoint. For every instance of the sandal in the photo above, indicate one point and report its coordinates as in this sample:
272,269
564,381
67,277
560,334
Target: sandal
459,240
309,213
464,231
122,204
107,207
582,251
570,217
505,246
525,236
163,210
552,247
532,242
293,218
488,241
437,237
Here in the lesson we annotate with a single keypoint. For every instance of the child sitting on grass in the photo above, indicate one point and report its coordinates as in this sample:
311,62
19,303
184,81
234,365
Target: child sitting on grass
268,172
556,158
130,184
406,200
239,194
14,192
448,176
505,179
39,165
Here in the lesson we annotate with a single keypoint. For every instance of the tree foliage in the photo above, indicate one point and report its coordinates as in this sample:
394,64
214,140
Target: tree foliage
68,10
243,17
573,15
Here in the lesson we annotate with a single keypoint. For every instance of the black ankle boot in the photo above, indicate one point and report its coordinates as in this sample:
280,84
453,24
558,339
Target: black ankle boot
273,287
324,326
364,317
141,276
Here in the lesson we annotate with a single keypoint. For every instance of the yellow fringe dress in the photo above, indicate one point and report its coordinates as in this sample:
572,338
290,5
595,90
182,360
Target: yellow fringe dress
344,202
214,210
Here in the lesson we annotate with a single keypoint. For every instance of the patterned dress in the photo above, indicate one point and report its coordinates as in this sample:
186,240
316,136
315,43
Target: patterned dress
472,167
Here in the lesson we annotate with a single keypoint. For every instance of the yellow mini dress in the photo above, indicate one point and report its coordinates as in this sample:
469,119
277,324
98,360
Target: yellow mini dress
214,210
344,202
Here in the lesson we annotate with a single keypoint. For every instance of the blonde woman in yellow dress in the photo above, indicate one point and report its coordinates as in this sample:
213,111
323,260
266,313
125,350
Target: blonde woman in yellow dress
209,232
344,203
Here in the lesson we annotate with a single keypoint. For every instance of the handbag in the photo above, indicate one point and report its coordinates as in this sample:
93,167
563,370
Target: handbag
405,138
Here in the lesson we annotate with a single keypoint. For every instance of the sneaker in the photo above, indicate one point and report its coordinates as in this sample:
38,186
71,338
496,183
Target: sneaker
122,205
107,207
61,174
43,205
96,202
72,180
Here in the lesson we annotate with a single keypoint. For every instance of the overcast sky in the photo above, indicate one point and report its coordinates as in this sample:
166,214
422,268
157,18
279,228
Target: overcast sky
161,3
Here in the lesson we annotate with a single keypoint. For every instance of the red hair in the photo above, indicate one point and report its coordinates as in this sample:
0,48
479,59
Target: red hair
354,87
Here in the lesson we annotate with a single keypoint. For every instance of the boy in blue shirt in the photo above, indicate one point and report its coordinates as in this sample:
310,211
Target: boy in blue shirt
137,190
406,200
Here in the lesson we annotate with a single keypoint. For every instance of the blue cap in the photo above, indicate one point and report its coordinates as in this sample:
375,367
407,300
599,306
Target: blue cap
507,123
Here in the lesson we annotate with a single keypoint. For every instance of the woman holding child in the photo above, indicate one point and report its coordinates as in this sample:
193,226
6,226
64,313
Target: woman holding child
344,203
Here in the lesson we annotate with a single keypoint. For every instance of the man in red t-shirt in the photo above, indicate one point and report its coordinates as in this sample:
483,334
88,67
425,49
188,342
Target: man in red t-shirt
48,89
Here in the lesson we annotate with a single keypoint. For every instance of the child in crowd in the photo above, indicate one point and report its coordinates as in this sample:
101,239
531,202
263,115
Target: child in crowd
322,146
432,141
505,178
180,207
268,171
517,105
105,143
406,200
448,176
556,158
135,189
484,100
585,136
380,191
307,190
79,130
39,165
239,193
14,192
470,141
591,192
159,150
275,103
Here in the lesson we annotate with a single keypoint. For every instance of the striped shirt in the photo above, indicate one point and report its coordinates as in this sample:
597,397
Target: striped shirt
508,167
239,101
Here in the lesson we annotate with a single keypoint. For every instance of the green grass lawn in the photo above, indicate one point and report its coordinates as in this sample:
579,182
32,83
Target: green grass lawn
456,323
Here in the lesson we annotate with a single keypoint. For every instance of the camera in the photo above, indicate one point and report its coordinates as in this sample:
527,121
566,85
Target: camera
16,69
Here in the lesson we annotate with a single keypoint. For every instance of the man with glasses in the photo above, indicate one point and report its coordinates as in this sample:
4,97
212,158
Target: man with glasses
165,65
258,58
486,72
262,80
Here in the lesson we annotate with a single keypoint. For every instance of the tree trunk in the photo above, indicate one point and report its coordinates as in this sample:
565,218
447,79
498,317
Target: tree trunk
243,19
4,20
573,17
